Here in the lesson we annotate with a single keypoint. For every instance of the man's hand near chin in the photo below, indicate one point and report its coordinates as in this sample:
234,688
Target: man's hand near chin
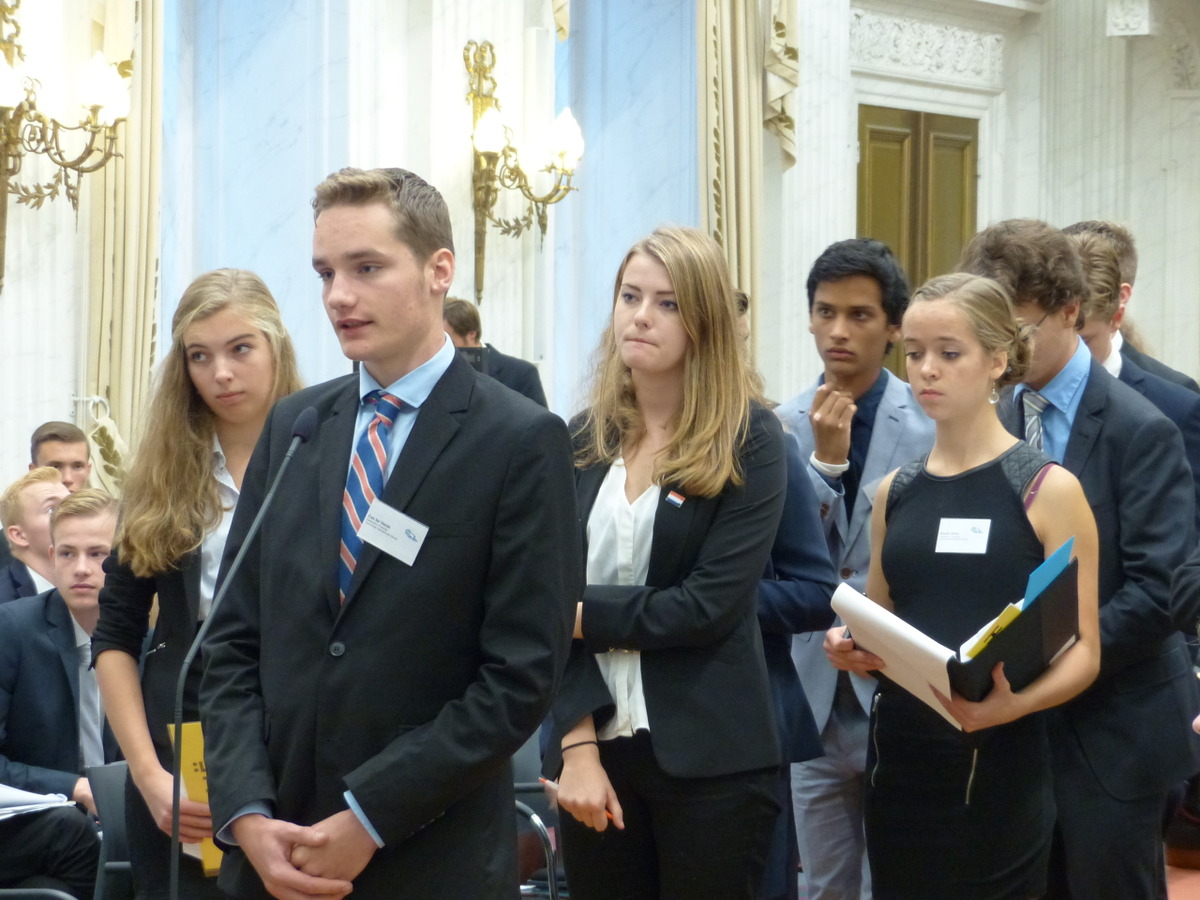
343,852
270,844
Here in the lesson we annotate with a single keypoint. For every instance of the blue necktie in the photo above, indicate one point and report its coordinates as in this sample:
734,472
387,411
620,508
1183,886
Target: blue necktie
368,469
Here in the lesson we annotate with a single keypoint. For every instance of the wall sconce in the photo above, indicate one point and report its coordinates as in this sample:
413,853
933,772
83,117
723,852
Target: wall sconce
496,162
24,129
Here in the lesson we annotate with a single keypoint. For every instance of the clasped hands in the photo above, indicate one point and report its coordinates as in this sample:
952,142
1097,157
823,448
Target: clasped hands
297,862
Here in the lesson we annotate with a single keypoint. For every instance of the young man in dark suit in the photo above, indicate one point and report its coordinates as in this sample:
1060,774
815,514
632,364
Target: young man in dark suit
25,509
1120,746
1119,238
51,719
62,447
461,319
1102,312
365,687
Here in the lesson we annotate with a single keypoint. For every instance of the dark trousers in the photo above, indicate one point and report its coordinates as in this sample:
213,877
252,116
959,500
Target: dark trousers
684,838
783,855
57,848
1103,847
150,855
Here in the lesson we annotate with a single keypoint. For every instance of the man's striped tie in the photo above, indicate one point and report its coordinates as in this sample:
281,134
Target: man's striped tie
365,481
1035,403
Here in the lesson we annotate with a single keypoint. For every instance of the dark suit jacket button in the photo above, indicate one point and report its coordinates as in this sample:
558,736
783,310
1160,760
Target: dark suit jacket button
337,648
846,573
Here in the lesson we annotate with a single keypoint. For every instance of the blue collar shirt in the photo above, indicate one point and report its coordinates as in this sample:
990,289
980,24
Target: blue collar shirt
1063,393
413,389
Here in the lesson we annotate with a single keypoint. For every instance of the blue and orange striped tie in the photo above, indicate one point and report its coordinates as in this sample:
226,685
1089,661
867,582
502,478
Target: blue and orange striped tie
365,481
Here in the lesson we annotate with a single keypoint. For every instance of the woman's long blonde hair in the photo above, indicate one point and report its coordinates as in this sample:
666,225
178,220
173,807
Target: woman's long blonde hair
170,498
718,386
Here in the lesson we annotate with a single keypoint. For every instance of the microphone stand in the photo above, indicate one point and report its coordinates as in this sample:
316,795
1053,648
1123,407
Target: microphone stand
302,430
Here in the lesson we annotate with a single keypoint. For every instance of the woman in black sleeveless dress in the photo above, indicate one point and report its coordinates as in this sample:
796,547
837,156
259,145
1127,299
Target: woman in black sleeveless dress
967,814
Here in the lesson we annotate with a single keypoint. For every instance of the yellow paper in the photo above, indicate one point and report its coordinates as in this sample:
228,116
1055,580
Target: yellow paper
195,783
984,636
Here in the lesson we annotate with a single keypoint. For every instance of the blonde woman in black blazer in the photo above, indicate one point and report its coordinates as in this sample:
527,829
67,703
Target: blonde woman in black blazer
664,729
230,360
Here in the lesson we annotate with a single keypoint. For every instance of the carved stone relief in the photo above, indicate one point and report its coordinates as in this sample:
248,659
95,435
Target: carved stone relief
926,50
1185,60
1129,18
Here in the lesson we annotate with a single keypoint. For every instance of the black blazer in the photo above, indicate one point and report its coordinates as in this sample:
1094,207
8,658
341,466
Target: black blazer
1179,405
125,603
1154,367
516,374
416,692
694,621
39,697
15,581
1129,459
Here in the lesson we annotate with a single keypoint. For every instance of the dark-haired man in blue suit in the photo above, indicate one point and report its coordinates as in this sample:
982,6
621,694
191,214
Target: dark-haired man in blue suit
856,424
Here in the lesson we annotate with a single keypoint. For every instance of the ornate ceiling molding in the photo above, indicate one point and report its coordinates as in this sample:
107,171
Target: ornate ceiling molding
928,51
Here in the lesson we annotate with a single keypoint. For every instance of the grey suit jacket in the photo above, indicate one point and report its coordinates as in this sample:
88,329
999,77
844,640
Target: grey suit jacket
1129,459
902,432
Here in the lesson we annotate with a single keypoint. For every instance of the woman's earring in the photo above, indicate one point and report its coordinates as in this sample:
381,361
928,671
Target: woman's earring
994,396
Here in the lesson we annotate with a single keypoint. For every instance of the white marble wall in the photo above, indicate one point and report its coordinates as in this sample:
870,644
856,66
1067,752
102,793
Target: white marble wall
255,114
629,74
816,205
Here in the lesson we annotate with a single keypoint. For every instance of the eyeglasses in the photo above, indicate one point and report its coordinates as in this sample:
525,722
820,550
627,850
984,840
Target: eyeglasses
1039,322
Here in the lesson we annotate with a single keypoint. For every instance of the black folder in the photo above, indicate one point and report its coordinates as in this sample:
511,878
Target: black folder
1029,643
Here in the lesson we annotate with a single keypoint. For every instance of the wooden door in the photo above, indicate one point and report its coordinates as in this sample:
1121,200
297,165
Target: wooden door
917,189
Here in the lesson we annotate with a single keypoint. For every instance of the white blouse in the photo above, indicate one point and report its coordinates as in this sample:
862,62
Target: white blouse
619,534
212,548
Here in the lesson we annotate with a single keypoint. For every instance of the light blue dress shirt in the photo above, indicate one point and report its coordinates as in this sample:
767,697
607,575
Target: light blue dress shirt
1063,394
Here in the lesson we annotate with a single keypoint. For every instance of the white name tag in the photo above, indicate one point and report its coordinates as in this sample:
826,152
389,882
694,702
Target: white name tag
393,532
963,535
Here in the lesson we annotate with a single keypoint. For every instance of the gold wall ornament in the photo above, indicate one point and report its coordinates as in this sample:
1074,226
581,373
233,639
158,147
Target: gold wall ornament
497,164
24,129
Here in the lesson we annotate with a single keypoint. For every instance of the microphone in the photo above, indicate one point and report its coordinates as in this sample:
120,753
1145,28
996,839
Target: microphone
302,431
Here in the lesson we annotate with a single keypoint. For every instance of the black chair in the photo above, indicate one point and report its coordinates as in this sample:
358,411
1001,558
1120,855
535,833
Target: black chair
114,878
541,884
541,814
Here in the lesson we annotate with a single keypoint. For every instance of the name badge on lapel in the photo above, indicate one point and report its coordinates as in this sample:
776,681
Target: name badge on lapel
393,532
